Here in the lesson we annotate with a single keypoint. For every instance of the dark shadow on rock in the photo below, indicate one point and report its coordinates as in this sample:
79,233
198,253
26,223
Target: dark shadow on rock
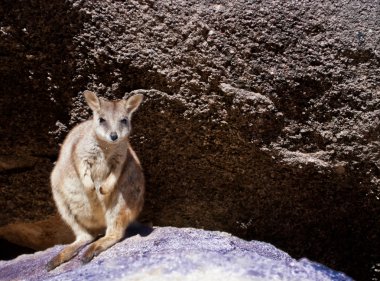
10,250
137,228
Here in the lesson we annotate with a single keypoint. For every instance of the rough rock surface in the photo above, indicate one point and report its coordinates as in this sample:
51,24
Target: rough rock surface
175,254
261,117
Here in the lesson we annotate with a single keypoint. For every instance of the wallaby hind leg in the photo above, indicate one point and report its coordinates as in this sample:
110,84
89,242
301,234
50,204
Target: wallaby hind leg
114,233
81,234
69,251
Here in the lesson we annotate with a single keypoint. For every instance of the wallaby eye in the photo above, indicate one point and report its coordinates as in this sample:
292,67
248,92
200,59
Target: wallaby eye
124,121
101,120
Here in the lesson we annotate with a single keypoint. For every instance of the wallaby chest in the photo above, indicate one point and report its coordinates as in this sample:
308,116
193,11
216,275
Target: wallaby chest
103,161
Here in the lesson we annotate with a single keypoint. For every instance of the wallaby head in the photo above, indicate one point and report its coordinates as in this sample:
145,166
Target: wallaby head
112,119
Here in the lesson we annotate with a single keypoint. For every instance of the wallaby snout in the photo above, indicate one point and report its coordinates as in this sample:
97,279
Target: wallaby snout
114,136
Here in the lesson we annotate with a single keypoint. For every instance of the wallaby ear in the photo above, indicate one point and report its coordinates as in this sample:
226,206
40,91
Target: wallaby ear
133,103
92,100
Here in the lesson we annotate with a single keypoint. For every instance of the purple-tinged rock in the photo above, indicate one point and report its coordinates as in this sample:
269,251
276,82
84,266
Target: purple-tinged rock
169,253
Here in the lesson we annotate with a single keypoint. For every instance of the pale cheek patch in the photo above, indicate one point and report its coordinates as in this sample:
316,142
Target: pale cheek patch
102,134
125,131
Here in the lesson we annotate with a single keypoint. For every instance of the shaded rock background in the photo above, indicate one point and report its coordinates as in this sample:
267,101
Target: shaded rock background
261,118
174,254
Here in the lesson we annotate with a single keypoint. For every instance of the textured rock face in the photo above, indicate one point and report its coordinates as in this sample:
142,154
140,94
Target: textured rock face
175,254
261,118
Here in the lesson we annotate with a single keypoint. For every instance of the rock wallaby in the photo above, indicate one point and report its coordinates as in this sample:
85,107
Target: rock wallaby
97,182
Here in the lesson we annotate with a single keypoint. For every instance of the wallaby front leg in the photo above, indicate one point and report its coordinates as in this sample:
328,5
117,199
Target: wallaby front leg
111,181
85,175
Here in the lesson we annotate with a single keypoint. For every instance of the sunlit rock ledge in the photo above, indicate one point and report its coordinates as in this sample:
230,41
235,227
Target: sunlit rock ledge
168,253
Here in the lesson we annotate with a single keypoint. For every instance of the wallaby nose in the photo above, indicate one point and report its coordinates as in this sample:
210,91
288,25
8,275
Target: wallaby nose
113,136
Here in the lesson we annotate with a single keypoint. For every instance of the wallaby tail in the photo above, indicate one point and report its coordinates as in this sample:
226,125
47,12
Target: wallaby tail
38,235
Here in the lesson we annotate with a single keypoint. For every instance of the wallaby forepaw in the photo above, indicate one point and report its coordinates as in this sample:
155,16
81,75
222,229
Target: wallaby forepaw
88,184
105,190
102,190
108,185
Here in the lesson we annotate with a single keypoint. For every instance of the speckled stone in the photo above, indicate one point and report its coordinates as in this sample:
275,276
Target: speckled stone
170,253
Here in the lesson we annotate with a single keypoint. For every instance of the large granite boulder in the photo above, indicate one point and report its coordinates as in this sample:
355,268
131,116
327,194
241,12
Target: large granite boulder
261,118
175,254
